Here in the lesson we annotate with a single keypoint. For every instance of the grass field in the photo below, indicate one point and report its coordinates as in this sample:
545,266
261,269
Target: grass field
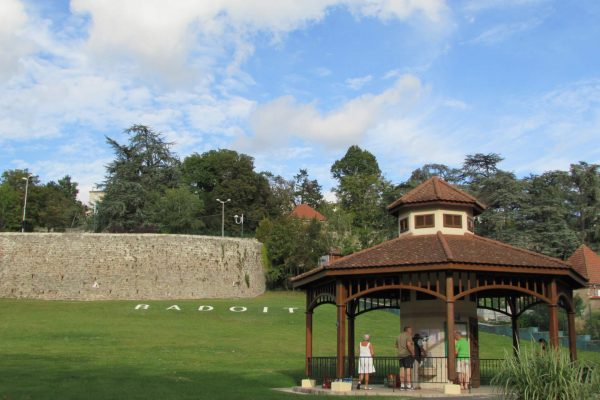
109,350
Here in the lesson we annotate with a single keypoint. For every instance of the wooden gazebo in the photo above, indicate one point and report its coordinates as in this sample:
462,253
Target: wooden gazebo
435,270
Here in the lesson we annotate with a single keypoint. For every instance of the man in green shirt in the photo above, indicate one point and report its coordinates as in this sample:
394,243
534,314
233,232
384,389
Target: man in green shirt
406,354
463,360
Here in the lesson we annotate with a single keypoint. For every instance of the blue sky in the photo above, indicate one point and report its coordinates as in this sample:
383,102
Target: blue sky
294,83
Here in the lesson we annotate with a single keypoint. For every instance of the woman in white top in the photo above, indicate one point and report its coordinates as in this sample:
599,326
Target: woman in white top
365,362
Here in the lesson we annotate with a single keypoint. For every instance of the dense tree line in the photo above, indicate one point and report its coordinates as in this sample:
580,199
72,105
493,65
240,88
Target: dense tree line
149,189
52,206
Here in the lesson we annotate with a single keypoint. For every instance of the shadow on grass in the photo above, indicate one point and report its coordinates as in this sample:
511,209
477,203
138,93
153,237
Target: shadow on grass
25,376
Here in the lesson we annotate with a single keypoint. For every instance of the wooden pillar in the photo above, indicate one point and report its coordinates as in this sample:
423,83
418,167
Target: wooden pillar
515,334
512,302
450,326
351,346
308,368
572,335
340,300
553,311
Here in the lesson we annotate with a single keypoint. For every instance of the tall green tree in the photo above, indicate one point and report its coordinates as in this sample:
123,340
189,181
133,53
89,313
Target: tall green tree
586,202
179,211
143,169
306,190
360,192
547,213
226,174
15,179
293,246
10,208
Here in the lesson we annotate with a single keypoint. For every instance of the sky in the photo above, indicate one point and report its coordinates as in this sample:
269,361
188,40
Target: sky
295,83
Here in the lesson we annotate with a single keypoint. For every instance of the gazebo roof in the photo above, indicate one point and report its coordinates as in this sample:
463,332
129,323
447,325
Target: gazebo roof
585,261
436,191
423,250
304,211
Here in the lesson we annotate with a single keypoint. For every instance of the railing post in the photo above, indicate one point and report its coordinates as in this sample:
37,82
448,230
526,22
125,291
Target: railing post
450,326
351,346
572,335
553,309
308,368
340,300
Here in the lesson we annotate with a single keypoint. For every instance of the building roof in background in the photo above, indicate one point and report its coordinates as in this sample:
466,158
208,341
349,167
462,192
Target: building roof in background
435,190
585,261
304,211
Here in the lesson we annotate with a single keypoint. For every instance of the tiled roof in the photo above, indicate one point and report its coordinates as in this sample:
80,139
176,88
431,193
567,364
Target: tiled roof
436,190
304,211
440,248
587,263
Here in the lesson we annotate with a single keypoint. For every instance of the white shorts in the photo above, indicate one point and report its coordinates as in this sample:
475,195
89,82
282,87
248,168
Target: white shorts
463,366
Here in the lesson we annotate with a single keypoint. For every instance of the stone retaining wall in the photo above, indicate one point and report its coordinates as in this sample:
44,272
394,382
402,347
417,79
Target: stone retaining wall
85,266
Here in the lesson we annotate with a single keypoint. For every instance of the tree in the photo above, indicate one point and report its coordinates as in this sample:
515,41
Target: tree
546,215
293,246
282,192
360,192
142,171
307,191
10,208
586,202
427,171
179,211
226,174
16,180
479,166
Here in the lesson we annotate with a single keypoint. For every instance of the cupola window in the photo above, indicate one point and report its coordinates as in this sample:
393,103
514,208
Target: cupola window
403,225
452,221
424,221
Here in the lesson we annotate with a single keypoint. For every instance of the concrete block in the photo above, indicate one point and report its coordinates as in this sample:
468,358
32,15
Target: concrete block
308,383
451,388
341,386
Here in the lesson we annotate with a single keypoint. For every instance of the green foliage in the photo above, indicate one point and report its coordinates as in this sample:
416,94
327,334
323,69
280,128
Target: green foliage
226,174
548,375
293,246
360,193
179,211
136,180
307,191
592,325
10,208
52,206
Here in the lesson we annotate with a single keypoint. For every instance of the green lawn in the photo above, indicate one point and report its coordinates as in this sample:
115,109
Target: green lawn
108,350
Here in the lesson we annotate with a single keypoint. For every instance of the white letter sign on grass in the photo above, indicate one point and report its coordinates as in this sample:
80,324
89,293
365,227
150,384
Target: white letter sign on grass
237,309
205,308
174,307
291,309
142,306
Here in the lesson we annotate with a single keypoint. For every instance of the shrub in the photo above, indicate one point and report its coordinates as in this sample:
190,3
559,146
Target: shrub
550,375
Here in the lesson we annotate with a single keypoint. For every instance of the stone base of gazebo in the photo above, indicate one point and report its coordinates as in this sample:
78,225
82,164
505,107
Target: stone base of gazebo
484,392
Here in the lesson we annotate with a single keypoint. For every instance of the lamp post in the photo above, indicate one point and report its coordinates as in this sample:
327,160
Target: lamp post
240,221
25,201
223,215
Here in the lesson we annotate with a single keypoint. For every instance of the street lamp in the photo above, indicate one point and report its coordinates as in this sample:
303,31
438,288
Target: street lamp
240,221
26,179
223,215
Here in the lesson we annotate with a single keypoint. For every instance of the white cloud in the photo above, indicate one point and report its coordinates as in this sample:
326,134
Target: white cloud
14,40
502,32
358,83
278,122
164,36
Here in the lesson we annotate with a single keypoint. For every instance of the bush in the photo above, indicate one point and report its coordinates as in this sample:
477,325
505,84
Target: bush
549,375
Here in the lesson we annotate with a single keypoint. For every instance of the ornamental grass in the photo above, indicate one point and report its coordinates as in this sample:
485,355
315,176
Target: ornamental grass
547,375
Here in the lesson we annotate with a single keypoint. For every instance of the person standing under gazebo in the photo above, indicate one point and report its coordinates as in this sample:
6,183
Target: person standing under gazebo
365,361
463,360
